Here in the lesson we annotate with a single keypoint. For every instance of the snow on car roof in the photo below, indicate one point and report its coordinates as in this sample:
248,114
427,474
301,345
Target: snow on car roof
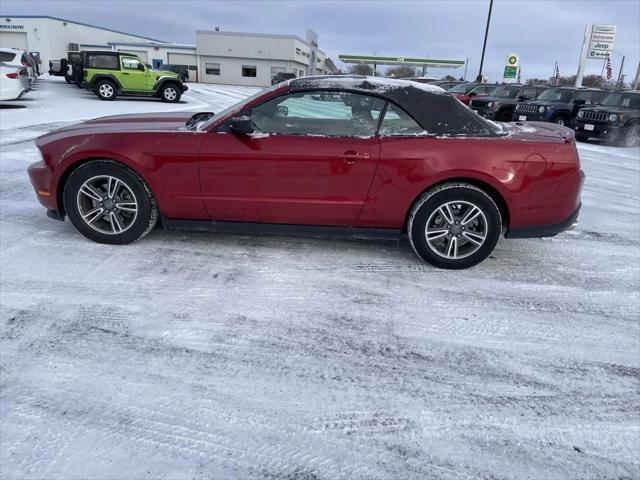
380,84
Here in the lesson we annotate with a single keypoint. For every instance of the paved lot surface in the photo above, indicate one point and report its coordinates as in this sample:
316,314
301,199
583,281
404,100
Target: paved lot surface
194,355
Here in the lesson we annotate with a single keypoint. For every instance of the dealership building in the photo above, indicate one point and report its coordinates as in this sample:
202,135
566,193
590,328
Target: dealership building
232,58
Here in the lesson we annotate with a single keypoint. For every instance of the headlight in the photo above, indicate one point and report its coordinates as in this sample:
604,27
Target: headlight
581,114
490,104
613,117
541,109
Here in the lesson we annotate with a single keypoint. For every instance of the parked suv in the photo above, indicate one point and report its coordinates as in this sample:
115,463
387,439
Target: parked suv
558,105
181,70
109,74
281,77
465,91
501,103
616,120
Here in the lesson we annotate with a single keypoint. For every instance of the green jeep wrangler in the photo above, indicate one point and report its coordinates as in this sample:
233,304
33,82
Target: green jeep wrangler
109,74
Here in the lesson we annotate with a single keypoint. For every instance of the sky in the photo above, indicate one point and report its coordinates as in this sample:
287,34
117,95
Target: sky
541,31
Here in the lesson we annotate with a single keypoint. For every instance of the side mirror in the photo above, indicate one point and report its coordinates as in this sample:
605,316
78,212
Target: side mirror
141,67
241,125
579,102
471,94
282,111
522,98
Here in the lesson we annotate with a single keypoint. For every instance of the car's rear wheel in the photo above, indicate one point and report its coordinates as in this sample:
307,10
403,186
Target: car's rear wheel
105,90
109,203
170,93
454,226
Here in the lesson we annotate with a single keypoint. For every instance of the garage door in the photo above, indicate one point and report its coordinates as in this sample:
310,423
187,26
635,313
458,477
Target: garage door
14,40
182,59
141,53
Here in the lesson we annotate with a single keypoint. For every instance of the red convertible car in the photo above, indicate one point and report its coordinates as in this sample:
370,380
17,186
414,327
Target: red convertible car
328,155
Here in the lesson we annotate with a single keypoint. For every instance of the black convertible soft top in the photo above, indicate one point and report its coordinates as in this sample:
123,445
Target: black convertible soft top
436,111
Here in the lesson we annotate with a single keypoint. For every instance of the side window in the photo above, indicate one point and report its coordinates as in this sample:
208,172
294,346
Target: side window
6,56
397,122
585,96
130,63
529,93
336,114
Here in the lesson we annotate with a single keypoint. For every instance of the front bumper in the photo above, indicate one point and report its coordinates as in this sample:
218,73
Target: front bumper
41,180
601,130
485,112
545,230
530,116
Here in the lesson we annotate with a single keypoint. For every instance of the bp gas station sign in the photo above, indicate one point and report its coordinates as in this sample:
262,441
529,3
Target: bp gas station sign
511,68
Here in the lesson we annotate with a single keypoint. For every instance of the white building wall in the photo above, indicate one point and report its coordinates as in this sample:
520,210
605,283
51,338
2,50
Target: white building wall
51,37
231,70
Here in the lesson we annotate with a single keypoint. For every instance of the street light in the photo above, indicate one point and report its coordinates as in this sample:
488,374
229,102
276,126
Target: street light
484,45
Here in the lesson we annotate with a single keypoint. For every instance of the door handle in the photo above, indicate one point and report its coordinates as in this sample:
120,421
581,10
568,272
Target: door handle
351,156
125,73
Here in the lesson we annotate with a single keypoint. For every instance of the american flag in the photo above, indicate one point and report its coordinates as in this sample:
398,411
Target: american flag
556,76
608,67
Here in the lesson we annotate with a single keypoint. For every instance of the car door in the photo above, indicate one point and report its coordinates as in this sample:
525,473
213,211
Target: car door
310,161
134,74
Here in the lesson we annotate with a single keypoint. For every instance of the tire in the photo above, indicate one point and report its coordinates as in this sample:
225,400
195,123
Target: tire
124,217
105,90
170,92
472,242
504,116
561,120
67,79
630,136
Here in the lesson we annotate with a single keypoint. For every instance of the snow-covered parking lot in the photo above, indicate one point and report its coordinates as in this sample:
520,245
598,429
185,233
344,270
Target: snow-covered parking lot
196,355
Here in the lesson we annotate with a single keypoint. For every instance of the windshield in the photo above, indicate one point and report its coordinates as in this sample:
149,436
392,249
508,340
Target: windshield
621,99
236,107
506,92
557,95
462,88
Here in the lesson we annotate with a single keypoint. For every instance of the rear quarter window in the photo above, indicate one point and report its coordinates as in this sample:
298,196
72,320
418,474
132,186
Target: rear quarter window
6,56
102,61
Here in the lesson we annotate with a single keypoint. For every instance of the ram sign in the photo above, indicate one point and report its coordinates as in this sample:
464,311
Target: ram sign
601,41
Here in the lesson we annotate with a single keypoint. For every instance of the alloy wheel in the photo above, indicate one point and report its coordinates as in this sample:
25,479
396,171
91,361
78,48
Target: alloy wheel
107,204
456,229
106,90
170,93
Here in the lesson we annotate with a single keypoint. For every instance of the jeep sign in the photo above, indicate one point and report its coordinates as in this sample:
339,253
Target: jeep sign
601,41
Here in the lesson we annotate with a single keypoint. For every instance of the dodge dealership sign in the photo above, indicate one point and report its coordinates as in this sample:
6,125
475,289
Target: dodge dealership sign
601,41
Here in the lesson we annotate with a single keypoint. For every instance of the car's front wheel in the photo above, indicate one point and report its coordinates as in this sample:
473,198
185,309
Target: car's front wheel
170,93
454,226
631,136
109,203
561,120
105,90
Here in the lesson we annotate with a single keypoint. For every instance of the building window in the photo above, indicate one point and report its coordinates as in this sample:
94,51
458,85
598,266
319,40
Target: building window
249,70
212,68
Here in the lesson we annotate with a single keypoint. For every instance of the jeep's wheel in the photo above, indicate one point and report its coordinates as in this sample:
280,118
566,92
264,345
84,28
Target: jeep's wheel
454,226
560,120
67,79
109,203
631,137
105,90
170,93
504,116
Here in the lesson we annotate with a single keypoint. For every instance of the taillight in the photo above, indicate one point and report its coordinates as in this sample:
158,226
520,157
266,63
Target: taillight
12,75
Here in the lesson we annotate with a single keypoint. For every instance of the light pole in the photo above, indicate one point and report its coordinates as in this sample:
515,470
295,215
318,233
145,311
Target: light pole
621,67
484,45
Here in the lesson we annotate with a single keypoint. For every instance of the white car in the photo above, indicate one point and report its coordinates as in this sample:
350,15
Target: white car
13,56
14,81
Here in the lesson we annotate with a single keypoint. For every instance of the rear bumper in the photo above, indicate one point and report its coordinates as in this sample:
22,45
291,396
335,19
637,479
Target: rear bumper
545,230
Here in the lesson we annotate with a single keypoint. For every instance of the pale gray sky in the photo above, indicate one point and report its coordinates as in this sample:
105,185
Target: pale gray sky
541,31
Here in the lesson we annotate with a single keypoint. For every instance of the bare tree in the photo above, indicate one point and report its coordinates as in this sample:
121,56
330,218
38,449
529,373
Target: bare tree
536,81
361,69
401,71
